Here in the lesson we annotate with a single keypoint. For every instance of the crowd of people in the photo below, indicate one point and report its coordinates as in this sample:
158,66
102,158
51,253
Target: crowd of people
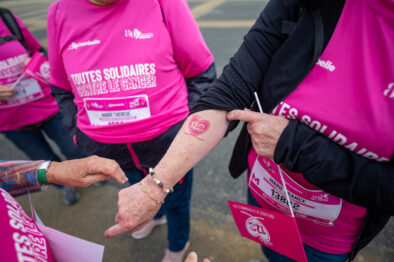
136,83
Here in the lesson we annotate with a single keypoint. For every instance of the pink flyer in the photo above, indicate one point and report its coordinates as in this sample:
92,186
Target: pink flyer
38,68
274,230
67,248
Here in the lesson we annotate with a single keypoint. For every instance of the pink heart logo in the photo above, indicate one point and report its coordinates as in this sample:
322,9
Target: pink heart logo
198,126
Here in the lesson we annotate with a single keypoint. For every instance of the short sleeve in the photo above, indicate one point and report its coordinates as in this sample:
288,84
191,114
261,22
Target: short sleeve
190,50
32,43
58,76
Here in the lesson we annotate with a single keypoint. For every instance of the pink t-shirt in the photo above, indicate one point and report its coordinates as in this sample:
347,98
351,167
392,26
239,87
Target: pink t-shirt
348,97
125,64
20,240
32,101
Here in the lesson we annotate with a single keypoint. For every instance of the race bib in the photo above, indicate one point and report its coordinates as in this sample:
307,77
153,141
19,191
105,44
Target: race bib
317,205
112,111
25,92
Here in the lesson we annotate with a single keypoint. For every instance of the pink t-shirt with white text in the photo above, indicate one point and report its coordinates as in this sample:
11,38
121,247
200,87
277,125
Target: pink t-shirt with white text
32,101
20,240
348,97
125,64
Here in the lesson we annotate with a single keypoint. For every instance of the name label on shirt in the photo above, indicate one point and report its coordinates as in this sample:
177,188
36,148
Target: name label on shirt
112,111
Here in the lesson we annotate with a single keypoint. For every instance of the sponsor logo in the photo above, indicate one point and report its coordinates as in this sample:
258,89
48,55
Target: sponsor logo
389,92
44,70
96,105
326,65
116,105
137,34
257,229
323,197
75,46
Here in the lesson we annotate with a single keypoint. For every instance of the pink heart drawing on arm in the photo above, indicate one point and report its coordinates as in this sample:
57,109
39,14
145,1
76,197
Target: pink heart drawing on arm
198,126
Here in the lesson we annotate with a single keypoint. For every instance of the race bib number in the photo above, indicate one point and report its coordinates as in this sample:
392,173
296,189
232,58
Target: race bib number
112,111
316,205
25,92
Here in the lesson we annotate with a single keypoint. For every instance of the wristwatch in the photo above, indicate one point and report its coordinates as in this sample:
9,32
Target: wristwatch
42,173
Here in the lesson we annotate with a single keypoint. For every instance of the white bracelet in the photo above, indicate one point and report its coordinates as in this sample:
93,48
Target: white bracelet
159,183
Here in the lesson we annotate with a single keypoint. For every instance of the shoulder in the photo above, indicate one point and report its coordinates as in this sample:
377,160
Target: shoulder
57,8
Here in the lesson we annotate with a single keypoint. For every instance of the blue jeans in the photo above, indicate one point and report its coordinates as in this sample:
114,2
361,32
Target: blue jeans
176,207
312,254
35,146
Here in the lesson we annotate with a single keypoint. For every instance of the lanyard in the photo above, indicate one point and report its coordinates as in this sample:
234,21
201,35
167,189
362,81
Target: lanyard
280,170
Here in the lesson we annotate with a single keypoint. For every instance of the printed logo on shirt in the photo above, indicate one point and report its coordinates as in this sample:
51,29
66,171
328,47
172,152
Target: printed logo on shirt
12,66
389,92
286,110
137,34
114,79
326,65
75,46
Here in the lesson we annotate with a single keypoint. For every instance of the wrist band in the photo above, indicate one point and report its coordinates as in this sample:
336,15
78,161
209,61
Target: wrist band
42,173
159,202
159,183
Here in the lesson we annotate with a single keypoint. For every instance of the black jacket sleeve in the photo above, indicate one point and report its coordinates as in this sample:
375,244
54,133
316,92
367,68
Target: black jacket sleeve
335,169
65,101
197,85
247,68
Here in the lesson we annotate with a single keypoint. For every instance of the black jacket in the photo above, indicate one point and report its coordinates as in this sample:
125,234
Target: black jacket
273,60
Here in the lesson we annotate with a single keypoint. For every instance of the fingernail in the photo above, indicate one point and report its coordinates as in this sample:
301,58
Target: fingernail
193,254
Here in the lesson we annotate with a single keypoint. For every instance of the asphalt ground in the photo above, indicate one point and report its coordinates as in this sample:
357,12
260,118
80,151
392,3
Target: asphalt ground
213,232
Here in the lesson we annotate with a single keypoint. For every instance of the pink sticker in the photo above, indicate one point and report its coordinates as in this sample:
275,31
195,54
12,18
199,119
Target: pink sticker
198,126
38,68
274,230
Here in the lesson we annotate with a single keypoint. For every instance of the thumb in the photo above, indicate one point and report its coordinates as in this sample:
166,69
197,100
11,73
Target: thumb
243,115
114,231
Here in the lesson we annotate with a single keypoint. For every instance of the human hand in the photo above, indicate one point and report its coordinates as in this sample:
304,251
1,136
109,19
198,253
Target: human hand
135,207
84,172
264,129
192,257
6,92
27,61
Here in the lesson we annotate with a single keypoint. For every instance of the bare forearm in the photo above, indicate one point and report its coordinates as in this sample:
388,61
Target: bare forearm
138,203
200,133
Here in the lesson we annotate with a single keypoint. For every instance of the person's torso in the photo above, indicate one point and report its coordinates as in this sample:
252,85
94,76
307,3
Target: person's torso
32,101
348,97
120,63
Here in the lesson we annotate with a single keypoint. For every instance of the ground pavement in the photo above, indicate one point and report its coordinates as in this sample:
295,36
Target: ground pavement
213,232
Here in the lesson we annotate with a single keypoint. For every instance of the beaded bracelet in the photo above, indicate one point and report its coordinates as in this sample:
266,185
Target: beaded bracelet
159,202
159,183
